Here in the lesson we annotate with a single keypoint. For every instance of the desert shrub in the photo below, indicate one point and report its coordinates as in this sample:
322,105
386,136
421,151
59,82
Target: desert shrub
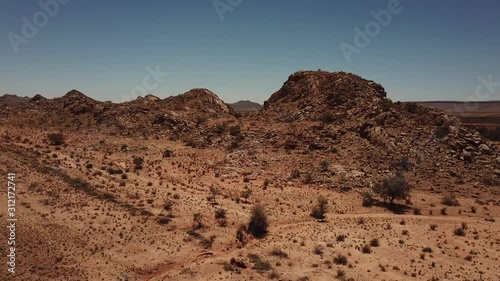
197,221
214,191
89,166
327,117
320,209
146,213
273,275
318,250
411,107
441,132
341,237
340,260
237,142
163,220
368,199
433,226
208,242
460,231
427,250
138,162
450,200
374,242
246,193
308,178
393,188
324,165
361,221
405,164
277,252
167,153
340,274
366,249
259,263
258,222
114,171
56,138
167,206
228,267
417,211
295,174
235,130
220,216
220,128
443,212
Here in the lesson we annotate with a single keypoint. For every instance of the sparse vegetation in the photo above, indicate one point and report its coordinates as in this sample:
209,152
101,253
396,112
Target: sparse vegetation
393,188
450,200
366,249
220,216
259,263
56,138
320,209
459,231
258,222
340,260
374,242
324,165
138,162
341,237
197,221
277,252
368,199
327,117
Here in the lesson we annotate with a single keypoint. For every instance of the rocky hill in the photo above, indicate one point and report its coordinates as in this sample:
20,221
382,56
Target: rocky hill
341,111
145,115
328,115
169,189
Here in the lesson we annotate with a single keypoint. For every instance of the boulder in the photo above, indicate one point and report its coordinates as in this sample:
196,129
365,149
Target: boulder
485,149
467,156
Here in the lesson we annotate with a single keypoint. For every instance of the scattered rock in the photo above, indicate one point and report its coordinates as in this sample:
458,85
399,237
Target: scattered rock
485,149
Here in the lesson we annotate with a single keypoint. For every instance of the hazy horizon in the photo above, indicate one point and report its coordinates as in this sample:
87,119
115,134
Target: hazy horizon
427,50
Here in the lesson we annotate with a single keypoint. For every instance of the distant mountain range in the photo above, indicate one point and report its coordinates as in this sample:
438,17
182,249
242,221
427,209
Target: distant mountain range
464,107
245,105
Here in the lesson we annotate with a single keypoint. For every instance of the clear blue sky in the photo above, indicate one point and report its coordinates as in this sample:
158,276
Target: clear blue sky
431,50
